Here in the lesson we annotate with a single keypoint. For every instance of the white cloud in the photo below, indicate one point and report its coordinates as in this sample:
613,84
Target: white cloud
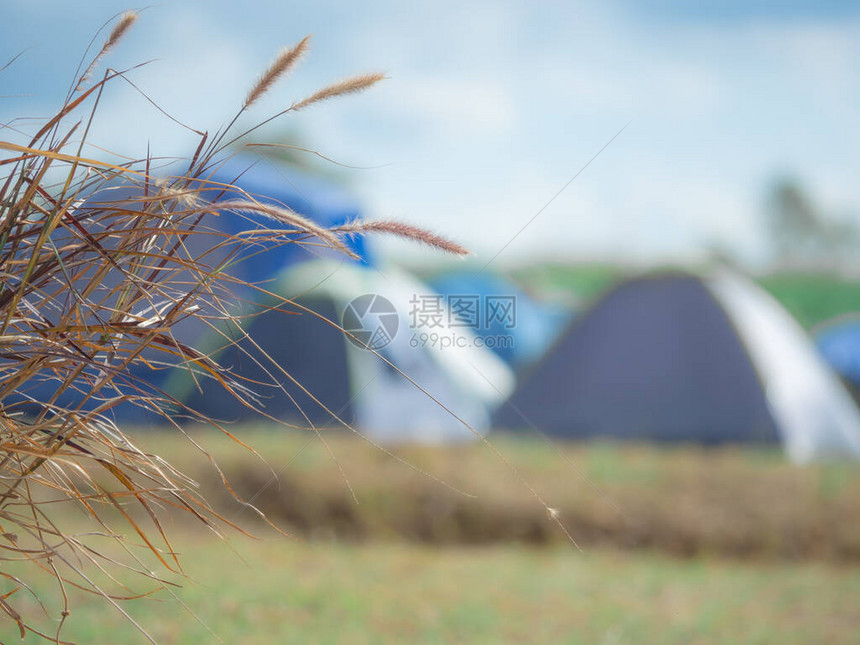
490,109
450,106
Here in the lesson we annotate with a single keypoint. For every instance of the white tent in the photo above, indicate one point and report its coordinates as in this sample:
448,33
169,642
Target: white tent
431,390
815,414
300,367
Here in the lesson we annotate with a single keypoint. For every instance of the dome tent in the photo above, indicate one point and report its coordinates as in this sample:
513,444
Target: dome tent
688,358
259,259
272,182
339,379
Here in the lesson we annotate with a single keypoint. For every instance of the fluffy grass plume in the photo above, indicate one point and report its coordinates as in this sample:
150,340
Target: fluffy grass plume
341,88
286,60
405,231
119,30
100,261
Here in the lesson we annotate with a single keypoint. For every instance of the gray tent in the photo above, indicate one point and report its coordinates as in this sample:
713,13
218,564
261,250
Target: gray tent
686,358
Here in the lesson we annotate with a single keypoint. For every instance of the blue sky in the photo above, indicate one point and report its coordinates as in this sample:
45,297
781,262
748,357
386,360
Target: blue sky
492,107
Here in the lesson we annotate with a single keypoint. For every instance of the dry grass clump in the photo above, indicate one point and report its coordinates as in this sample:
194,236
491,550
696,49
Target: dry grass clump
101,262
683,501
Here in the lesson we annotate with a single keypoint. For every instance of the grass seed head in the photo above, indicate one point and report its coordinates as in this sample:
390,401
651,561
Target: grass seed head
286,60
405,231
341,88
125,22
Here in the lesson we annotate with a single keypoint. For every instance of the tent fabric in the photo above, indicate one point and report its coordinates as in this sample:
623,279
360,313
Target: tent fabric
816,415
446,386
271,182
839,344
446,390
536,324
684,358
258,261
311,352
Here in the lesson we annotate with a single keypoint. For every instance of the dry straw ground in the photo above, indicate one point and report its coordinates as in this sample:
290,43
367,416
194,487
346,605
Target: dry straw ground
682,501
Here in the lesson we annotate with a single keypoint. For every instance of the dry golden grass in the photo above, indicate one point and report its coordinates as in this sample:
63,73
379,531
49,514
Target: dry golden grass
95,280
683,501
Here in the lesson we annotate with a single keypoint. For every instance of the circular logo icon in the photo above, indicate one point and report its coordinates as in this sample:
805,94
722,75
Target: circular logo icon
371,320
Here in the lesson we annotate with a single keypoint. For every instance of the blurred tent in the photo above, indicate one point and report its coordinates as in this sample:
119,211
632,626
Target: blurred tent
340,379
260,262
680,357
838,341
535,327
268,181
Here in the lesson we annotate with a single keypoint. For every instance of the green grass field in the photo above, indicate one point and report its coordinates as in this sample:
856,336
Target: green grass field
285,592
705,546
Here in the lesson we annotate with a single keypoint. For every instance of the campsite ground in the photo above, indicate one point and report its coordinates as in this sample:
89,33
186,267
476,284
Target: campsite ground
448,571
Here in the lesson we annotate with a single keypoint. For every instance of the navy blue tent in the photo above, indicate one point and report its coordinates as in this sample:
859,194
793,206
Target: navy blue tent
315,357
337,377
656,358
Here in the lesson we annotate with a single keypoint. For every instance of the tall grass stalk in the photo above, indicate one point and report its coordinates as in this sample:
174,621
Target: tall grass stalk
92,290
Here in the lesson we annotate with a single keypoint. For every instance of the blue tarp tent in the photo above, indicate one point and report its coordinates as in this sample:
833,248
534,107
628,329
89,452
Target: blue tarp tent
271,182
839,344
519,339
